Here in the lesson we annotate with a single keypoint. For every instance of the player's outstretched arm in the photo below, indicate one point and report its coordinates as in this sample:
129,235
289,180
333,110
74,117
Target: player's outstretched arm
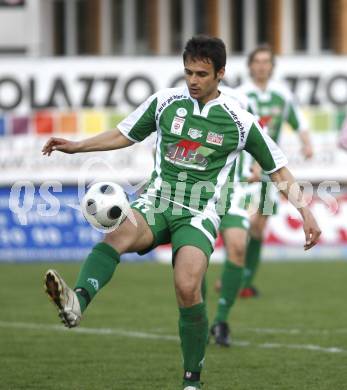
286,183
307,148
109,140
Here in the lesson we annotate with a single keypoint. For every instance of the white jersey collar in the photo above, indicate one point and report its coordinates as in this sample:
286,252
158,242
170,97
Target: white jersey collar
206,109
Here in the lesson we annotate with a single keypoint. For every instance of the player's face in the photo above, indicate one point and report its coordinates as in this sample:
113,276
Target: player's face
261,66
201,79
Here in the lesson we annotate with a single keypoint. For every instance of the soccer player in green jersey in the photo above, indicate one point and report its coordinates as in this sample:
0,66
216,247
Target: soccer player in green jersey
234,230
200,132
275,105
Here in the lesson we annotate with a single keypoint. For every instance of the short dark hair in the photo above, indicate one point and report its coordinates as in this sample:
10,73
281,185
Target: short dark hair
204,47
259,49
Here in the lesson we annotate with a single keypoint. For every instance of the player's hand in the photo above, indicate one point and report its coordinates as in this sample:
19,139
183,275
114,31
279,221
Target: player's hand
307,151
311,229
217,286
256,173
60,144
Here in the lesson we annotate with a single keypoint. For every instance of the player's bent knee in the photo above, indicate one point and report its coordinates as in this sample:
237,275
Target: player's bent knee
237,254
188,294
256,233
235,244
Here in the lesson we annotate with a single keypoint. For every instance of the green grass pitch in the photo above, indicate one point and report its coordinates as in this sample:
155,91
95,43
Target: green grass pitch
293,337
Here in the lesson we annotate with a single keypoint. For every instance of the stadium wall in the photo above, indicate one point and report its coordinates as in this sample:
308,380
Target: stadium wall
76,97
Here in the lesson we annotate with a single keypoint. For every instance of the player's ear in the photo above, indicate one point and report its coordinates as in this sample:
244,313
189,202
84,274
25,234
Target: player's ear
220,74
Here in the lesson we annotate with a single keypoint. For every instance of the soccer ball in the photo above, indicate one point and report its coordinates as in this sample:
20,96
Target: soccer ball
105,205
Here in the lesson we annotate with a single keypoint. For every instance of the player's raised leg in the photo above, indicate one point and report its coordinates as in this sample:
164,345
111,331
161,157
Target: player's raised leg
190,267
97,270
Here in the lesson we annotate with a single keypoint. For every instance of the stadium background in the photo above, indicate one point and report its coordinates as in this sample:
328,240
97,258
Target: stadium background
75,67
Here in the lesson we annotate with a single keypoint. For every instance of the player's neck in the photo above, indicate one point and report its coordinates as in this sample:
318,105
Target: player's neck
261,83
210,97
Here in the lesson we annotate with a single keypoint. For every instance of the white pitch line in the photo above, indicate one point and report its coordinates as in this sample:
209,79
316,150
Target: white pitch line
153,336
307,347
293,331
95,331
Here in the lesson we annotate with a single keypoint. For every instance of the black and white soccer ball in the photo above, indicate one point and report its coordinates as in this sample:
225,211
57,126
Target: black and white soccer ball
105,205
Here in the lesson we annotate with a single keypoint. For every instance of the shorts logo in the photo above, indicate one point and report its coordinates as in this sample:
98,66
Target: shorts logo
194,133
182,112
245,223
215,138
177,125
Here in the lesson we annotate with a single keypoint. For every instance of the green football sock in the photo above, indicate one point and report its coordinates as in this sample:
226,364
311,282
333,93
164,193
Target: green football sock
95,272
193,331
231,279
252,260
204,289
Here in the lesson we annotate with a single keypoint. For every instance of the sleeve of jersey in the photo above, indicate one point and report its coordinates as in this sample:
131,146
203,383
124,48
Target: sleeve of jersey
264,150
295,117
140,123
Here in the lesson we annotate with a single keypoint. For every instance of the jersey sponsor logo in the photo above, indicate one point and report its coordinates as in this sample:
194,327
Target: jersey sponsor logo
190,154
215,138
264,120
167,102
177,125
238,123
182,112
194,133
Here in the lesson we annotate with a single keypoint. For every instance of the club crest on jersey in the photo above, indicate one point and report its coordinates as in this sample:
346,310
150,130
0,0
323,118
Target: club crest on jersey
215,138
177,125
182,112
194,133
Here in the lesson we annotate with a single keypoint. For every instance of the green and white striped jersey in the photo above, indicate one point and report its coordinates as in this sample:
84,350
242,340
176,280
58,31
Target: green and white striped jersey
274,106
197,145
242,167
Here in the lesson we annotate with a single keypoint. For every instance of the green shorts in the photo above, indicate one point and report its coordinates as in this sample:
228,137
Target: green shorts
234,221
237,214
172,223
